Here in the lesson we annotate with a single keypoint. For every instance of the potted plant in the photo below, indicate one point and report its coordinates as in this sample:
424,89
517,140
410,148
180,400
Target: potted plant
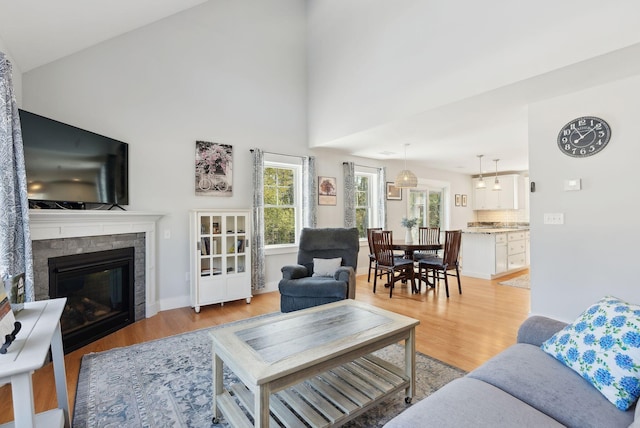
409,224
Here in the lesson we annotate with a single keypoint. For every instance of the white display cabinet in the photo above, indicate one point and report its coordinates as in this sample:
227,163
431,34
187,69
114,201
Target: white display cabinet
220,256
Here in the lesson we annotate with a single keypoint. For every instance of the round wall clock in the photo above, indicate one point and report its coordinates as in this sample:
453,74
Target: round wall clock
584,136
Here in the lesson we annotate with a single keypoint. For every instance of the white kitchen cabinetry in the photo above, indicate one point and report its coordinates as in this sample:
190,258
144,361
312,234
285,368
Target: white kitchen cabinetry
501,253
516,252
220,256
511,197
489,255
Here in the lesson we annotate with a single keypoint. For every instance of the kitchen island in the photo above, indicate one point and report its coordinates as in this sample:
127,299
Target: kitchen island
490,253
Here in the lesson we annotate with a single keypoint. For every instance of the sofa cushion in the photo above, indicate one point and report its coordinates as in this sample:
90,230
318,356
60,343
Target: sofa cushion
603,346
468,402
531,375
326,267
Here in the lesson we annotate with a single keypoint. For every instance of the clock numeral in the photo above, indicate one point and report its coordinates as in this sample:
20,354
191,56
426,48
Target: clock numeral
592,148
567,147
582,122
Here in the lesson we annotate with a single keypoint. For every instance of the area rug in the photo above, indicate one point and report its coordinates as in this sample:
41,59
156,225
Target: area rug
167,383
521,281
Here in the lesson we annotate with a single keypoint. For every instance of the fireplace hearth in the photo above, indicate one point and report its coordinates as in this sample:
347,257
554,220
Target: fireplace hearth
99,287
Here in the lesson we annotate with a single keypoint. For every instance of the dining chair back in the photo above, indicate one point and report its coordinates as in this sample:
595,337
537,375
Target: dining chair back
396,268
372,256
427,235
440,266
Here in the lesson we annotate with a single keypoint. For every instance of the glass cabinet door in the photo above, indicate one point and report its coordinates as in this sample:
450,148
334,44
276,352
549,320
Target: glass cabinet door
210,245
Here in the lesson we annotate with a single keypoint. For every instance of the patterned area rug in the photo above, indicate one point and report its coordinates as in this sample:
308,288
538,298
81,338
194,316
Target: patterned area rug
167,383
521,281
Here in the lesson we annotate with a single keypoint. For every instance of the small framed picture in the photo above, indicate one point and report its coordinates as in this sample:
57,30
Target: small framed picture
458,199
327,191
393,193
464,200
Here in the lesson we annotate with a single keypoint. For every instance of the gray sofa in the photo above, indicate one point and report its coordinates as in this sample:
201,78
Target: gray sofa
520,387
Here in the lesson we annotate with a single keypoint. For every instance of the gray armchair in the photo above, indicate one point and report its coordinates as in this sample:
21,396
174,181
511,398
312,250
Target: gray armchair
300,289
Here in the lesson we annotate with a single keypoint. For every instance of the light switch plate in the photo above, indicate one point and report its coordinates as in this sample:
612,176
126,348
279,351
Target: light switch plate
553,218
572,184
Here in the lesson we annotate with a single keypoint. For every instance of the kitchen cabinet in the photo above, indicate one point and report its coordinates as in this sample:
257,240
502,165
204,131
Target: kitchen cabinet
501,264
494,253
511,197
220,257
516,250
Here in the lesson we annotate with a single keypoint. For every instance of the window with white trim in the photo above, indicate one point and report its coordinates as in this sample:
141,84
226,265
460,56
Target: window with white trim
367,202
282,203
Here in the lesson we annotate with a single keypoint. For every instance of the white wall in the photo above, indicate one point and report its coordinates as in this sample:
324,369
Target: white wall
596,252
229,72
374,61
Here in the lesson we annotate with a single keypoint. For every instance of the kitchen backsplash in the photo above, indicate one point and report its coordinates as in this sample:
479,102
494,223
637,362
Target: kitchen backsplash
501,216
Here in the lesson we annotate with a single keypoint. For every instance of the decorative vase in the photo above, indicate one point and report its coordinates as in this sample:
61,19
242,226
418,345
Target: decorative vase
408,237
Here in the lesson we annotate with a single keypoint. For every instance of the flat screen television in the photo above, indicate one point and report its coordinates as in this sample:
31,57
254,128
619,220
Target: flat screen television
68,167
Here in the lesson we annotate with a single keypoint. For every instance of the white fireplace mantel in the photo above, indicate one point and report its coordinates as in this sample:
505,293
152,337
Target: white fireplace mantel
58,224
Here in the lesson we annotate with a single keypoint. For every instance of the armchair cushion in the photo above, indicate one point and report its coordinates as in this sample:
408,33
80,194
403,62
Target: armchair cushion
326,267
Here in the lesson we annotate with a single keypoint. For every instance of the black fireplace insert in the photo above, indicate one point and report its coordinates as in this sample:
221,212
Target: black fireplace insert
99,288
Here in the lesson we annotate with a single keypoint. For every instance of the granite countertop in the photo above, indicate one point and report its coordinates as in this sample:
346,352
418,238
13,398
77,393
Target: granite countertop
490,230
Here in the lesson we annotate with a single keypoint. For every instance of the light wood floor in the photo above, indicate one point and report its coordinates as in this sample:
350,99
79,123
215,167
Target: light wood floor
464,330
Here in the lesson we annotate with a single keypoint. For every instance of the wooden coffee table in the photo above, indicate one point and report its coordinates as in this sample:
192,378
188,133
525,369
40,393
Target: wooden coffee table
312,365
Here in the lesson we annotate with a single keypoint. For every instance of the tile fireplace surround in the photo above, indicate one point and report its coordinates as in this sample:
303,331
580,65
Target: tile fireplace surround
60,224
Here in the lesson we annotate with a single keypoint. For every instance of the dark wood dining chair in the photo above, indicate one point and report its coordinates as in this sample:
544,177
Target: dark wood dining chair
427,235
396,268
372,256
440,266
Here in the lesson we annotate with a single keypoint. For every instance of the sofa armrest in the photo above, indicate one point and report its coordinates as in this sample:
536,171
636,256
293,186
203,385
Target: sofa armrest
537,329
294,272
348,275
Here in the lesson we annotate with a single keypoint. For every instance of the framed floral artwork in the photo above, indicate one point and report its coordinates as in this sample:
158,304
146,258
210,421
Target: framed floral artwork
327,191
213,169
393,193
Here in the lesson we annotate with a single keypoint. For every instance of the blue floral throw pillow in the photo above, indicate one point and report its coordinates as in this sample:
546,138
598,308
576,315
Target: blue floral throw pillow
603,346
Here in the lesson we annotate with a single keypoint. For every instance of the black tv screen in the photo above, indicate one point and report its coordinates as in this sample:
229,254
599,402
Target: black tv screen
66,164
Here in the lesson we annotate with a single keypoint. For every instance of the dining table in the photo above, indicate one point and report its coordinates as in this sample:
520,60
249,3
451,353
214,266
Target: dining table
409,249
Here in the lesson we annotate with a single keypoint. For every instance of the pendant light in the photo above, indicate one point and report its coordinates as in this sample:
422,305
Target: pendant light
406,178
496,183
481,184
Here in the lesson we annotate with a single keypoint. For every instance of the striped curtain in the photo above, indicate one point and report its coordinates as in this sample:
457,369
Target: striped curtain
15,238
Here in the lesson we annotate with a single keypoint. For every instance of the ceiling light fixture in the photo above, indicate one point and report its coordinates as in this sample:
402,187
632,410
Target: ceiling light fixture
481,184
406,178
496,183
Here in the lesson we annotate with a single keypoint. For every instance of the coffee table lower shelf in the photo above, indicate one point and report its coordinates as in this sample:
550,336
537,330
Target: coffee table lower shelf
329,399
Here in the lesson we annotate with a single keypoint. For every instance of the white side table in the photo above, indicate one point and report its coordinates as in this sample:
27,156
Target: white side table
40,331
